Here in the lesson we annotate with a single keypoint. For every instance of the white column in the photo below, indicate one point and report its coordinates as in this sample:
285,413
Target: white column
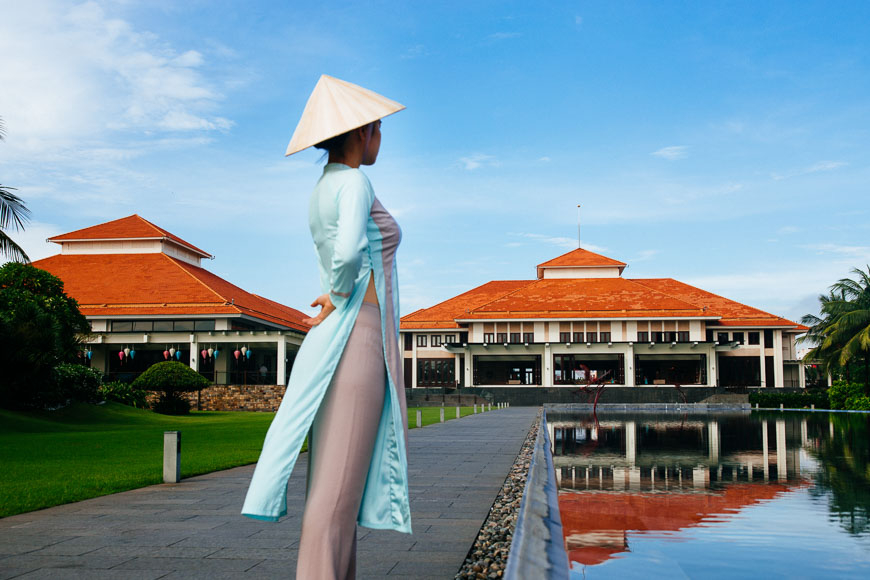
712,368
457,369
547,367
765,457
467,369
629,366
630,442
762,363
713,441
781,459
194,353
700,477
777,359
634,478
802,375
413,361
282,362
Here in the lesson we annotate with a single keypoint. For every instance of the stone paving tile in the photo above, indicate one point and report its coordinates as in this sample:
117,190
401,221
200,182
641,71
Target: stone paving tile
194,530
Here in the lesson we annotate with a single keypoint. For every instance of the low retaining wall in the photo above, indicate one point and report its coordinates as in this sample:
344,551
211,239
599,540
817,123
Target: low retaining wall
265,398
537,396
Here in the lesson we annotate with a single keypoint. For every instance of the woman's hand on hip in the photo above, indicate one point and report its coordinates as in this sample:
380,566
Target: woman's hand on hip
326,309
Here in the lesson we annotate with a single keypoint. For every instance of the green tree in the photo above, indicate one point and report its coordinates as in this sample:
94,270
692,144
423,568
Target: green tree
13,214
40,328
172,378
840,335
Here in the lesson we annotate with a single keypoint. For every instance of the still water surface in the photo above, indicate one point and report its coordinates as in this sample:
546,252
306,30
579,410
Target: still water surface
714,495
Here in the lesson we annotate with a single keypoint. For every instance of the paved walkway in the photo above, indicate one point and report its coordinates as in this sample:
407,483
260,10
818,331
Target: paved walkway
194,530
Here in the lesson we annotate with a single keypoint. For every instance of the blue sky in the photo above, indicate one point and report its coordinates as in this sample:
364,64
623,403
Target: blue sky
725,145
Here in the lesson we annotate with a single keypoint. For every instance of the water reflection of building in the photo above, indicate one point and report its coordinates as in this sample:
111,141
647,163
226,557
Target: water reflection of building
581,319
647,472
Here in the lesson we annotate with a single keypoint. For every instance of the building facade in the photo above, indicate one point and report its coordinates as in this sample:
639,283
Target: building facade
148,299
580,320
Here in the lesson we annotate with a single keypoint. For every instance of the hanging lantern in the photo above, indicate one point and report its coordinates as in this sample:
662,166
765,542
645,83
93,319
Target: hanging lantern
126,352
172,351
210,352
237,353
248,354
90,354
216,352
121,355
204,354
244,349
178,355
132,354
165,355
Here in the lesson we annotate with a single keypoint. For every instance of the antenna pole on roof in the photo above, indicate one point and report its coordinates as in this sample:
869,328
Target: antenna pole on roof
578,225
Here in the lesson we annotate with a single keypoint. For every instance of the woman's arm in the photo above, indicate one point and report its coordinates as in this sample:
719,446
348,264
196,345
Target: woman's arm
355,200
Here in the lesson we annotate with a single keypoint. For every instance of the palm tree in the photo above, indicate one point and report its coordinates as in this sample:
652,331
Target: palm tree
841,334
13,213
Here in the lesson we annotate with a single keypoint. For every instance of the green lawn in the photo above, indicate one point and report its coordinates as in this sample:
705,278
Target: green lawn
84,451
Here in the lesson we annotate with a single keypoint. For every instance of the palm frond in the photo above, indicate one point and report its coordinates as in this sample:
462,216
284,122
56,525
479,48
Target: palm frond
10,249
13,212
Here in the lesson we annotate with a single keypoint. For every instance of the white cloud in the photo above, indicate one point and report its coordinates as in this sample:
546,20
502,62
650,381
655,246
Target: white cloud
852,252
80,75
644,255
544,159
814,168
504,35
559,241
477,160
671,153
788,230
416,51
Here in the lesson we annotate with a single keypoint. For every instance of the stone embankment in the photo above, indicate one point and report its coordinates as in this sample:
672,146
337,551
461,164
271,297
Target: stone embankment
488,556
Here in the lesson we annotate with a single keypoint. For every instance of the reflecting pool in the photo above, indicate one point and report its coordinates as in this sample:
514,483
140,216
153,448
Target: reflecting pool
734,494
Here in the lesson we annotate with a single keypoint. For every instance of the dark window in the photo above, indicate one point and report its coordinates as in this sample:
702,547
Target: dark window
203,325
657,336
421,340
501,337
578,337
737,337
721,337
488,337
162,326
709,336
143,326
604,336
591,337
669,336
768,342
435,372
122,326
643,337
515,337
436,340
683,336
449,338
564,337
528,337
409,344
183,325
753,338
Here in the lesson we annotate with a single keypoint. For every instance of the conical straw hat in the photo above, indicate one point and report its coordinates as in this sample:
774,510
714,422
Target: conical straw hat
336,107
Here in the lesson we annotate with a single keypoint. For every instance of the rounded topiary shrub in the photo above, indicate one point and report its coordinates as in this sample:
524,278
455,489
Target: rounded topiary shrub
171,378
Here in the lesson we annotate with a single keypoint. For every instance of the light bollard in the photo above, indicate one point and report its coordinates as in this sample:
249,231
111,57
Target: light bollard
457,411
442,414
781,406
171,456
419,418
490,407
475,408
813,407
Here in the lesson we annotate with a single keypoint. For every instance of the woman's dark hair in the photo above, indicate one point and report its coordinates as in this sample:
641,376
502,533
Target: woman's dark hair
334,144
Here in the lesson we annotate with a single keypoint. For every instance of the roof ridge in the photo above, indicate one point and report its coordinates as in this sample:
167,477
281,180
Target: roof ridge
723,298
517,289
657,291
181,264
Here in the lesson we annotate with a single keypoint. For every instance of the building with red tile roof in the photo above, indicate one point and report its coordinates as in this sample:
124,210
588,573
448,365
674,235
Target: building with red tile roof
148,298
581,320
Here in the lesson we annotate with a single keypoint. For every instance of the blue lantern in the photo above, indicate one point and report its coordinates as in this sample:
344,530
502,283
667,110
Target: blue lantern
248,353
132,353
90,354
216,353
178,354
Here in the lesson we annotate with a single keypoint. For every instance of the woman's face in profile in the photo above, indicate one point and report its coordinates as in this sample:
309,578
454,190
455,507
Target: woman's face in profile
370,155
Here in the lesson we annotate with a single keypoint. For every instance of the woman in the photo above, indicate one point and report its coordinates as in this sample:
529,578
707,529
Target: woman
346,383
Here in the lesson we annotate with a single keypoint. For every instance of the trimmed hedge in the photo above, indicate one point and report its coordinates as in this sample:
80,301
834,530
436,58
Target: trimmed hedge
124,393
791,400
172,378
842,392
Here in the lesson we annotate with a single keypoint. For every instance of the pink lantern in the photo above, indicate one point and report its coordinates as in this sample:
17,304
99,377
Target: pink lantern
204,354
237,353
165,355
121,354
